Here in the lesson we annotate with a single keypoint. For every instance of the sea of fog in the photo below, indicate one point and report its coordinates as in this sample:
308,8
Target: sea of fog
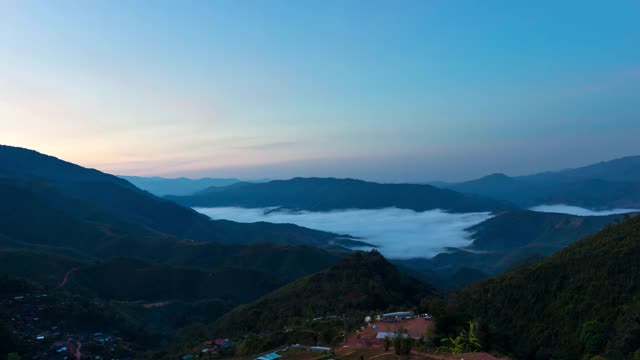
398,233
575,210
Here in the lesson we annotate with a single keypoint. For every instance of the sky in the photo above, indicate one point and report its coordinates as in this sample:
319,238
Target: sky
380,90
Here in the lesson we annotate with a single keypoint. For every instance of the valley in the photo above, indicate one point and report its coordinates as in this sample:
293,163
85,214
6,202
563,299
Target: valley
319,180
233,282
396,233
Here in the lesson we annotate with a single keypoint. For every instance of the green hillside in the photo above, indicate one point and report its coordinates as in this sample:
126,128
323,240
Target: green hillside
30,218
582,301
510,239
120,199
317,309
362,283
124,274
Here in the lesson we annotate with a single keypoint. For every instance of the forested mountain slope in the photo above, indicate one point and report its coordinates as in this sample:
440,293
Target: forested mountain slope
124,201
584,300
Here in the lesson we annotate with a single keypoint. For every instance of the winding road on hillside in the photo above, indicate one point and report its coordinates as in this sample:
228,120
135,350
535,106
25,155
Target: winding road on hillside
66,278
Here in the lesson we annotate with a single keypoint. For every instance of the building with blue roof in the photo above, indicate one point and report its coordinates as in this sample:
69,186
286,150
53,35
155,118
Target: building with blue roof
382,335
272,356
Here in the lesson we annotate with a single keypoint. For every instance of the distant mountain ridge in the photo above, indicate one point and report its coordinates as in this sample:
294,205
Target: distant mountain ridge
160,186
624,169
605,185
325,194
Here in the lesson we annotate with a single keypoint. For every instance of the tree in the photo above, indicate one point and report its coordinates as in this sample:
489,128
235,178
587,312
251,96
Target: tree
402,343
13,356
407,345
329,334
593,337
466,341
387,343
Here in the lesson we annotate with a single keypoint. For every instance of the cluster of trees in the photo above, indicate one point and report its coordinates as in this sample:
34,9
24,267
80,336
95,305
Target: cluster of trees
322,308
582,302
466,341
402,344
360,284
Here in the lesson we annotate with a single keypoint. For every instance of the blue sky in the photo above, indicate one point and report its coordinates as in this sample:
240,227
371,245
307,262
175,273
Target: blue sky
383,90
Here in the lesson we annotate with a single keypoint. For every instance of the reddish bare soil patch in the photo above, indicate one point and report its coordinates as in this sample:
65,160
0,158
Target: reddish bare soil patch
416,328
470,356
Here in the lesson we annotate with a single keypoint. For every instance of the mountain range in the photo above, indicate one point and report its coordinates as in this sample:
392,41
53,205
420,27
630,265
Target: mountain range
64,208
505,241
582,302
605,185
108,253
326,194
101,238
63,183
160,186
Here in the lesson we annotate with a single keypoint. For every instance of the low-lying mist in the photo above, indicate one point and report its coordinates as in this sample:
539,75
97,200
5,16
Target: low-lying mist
399,233
576,210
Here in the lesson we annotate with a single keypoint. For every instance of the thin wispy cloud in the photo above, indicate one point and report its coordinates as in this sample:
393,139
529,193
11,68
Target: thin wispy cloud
270,146
610,82
399,233
373,91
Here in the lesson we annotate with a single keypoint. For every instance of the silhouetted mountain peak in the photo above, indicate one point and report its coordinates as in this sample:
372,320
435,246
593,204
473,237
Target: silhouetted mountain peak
624,169
126,202
17,162
372,260
497,176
